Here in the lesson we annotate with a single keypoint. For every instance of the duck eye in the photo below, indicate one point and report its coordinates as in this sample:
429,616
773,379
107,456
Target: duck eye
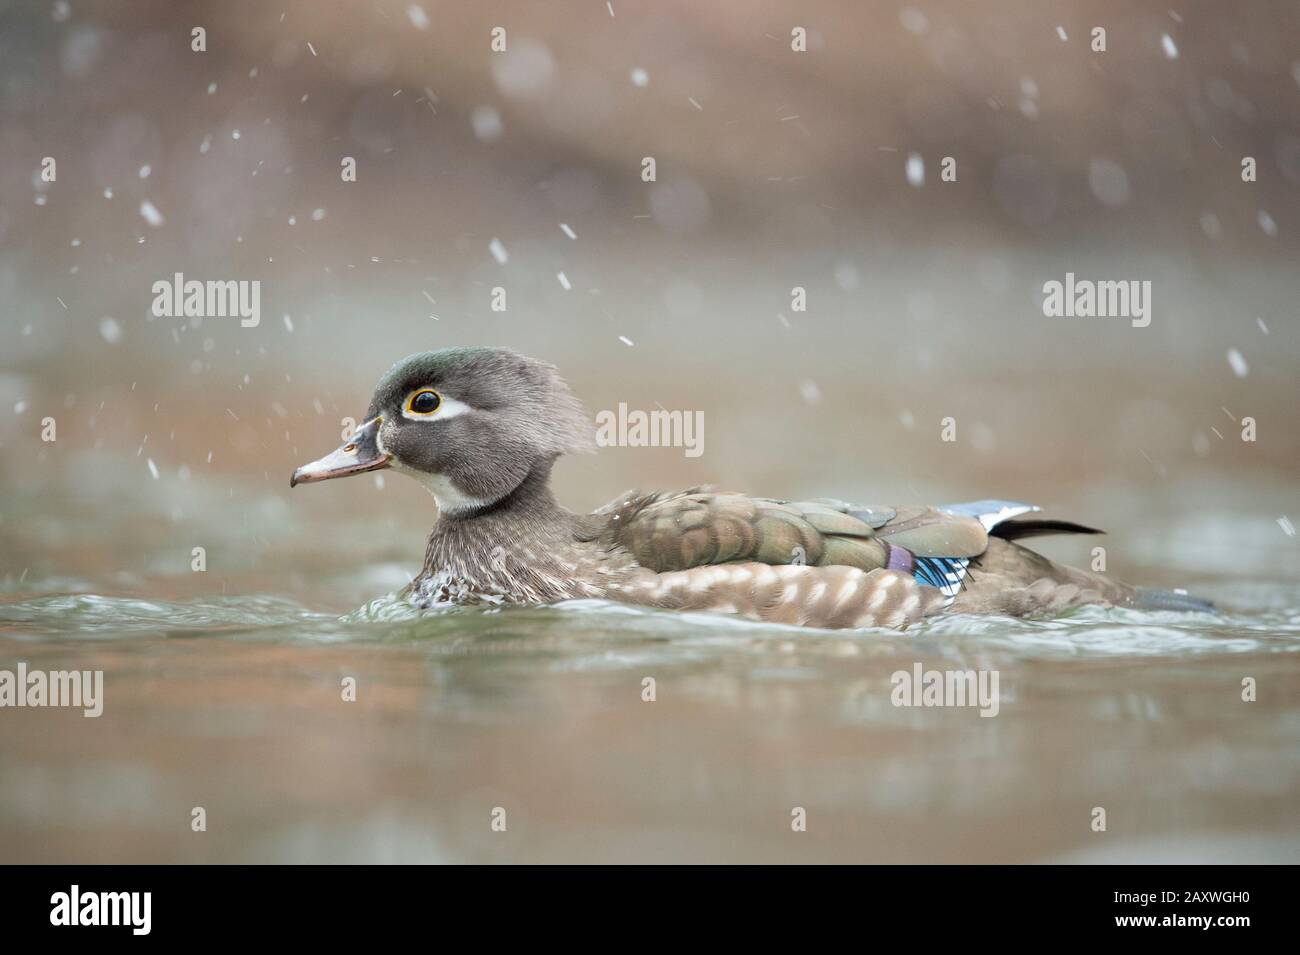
424,402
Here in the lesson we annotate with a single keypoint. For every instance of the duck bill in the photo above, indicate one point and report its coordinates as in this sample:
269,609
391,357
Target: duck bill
361,453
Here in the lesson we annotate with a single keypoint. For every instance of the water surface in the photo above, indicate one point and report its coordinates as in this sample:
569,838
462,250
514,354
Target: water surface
234,704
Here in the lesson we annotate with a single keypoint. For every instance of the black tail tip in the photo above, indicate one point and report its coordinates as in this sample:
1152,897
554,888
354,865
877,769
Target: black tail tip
1149,598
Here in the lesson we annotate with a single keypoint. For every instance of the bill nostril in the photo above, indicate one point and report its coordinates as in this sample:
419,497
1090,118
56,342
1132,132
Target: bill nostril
349,448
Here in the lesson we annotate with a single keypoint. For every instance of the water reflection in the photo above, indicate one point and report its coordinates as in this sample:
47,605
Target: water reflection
235,705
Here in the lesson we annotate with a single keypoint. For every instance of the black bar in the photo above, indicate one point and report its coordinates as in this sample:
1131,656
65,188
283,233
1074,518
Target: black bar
196,903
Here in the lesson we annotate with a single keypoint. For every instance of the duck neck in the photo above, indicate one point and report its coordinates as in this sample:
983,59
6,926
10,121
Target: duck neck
480,544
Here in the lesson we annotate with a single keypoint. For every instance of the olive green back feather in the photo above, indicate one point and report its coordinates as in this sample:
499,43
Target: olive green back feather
667,532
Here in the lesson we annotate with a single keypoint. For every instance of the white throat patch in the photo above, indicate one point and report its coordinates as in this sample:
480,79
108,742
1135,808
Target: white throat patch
449,498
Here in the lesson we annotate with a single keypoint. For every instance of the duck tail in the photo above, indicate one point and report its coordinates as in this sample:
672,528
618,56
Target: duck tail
1018,530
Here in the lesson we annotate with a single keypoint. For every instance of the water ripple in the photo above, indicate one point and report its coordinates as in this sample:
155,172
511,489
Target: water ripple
581,626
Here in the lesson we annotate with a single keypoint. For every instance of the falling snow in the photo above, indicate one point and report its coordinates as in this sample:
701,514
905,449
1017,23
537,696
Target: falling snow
1238,363
915,170
151,214
419,19
1114,165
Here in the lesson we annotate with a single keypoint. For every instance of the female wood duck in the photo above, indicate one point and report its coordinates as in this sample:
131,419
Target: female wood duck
482,427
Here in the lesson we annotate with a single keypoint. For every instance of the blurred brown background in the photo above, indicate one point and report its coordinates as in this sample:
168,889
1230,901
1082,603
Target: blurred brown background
775,169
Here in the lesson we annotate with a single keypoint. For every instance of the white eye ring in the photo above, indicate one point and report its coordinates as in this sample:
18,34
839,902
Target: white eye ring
449,408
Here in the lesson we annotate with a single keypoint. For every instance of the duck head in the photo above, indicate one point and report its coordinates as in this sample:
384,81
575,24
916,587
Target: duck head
470,424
